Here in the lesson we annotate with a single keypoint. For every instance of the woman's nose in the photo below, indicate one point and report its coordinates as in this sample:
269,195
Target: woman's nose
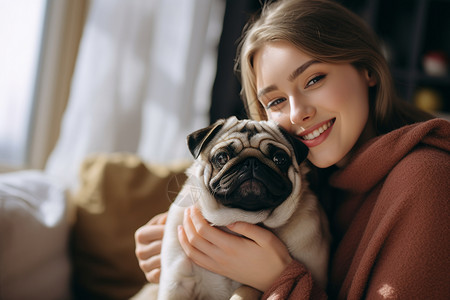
300,112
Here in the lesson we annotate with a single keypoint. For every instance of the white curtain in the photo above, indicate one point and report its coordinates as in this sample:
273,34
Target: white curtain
142,81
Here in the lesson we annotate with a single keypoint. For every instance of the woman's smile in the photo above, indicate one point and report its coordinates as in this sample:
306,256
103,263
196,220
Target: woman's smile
317,134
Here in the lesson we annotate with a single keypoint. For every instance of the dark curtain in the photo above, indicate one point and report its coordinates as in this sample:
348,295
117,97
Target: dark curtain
226,100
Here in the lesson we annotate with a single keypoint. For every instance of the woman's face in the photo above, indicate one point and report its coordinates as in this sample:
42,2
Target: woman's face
325,105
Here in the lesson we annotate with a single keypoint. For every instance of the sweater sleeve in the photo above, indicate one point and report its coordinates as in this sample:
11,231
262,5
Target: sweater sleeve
294,283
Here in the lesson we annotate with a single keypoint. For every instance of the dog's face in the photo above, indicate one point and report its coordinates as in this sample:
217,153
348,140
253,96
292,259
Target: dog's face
246,166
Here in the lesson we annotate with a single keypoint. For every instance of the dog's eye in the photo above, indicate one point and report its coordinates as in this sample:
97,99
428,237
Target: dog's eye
222,158
281,159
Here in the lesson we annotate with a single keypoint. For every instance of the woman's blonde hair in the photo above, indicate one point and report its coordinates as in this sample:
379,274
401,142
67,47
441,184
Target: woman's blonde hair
327,32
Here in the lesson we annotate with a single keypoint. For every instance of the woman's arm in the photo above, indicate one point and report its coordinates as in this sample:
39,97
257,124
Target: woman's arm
295,283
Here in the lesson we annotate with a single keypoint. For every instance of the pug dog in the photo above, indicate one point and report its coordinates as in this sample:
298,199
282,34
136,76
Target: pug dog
250,171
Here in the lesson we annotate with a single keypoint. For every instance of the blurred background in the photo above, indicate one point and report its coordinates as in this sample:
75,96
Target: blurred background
87,76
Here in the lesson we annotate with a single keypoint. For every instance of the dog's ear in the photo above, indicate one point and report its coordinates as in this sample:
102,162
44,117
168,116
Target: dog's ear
199,139
300,149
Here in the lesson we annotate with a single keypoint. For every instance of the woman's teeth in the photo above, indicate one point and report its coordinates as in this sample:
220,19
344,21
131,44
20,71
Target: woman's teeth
317,132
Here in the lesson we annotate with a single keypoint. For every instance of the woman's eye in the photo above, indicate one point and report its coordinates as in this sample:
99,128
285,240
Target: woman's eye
315,80
275,102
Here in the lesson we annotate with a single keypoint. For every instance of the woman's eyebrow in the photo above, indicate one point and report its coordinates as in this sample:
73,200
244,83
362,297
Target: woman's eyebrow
266,90
291,77
301,69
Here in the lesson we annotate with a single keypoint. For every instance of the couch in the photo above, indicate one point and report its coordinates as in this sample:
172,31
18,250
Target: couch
57,243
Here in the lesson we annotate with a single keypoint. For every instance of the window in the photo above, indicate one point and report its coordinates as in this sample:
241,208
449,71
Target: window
21,31
39,45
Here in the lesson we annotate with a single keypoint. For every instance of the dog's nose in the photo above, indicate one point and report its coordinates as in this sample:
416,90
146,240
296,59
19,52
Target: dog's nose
251,164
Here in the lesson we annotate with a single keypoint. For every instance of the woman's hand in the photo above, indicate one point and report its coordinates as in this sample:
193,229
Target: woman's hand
148,240
257,259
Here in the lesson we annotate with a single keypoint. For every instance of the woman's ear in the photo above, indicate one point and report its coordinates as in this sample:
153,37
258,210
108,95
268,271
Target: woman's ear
371,80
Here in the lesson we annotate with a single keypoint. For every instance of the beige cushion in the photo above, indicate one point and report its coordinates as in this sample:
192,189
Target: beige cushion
118,193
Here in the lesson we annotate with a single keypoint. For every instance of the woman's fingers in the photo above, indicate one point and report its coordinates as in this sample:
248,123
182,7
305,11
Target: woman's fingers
145,251
253,232
197,230
197,256
151,263
153,276
159,219
146,255
149,233
215,236
148,239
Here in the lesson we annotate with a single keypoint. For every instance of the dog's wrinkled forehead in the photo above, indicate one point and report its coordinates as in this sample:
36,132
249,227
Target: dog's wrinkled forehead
249,134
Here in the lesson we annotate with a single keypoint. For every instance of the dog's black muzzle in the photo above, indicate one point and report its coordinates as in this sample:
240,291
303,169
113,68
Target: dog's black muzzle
252,185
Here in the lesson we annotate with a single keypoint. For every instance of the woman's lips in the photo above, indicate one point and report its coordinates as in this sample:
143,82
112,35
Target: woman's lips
317,134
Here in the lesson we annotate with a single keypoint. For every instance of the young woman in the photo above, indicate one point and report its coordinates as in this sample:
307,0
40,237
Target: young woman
317,70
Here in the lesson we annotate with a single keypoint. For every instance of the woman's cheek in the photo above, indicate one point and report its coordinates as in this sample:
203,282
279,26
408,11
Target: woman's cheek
280,118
